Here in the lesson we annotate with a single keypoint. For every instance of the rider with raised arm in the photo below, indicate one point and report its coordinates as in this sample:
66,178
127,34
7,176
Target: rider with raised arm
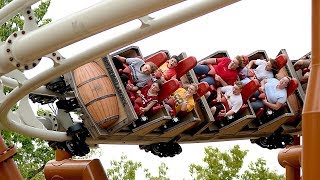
224,72
265,69
140,71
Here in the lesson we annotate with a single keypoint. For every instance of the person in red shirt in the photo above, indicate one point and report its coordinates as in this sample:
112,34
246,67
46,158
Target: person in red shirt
224,71
147,97
167,71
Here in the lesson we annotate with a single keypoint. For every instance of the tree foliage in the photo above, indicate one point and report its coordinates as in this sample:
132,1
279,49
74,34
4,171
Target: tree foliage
162,173
219,164
126,170
259,171
16,22
226,166
33,153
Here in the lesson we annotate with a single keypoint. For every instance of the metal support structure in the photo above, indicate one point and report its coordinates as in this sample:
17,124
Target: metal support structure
66,168
197,9
83,24
290,158
8,168
311,109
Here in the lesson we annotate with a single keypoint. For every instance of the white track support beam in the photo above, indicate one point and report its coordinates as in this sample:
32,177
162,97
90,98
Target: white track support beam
13,8
30,46
199,8
12,83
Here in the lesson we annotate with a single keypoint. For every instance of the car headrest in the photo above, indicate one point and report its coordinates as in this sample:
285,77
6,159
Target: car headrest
293,85
281,61
158,59
249,89
203,88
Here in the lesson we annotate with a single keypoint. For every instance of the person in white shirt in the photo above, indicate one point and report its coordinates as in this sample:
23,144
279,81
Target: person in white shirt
233,97
265,69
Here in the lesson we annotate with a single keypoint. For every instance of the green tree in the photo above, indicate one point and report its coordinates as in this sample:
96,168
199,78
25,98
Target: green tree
259,171
226,166
126,170
16,22
32,153
162,173
219,164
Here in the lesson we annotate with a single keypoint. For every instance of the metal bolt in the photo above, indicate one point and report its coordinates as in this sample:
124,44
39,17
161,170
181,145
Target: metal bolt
15,34
9,41
26,67
28,12
30,17
58,58
34,64
23,32
8,50
53,54
11,58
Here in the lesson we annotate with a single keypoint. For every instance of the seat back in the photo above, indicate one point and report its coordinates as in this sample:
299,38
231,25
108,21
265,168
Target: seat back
168,88
224,101
127,71
246,60
158,59
249,89
281,61
293,85
185,65
203,88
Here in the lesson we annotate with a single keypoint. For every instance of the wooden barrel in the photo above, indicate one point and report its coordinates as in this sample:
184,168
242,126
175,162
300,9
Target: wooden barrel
97,94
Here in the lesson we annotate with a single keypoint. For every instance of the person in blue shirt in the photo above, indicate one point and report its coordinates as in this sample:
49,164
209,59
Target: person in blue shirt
275,93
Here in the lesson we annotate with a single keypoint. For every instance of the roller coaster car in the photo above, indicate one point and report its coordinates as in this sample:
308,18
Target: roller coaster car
272,120
233,124
288,119
107,109
140,126
184,121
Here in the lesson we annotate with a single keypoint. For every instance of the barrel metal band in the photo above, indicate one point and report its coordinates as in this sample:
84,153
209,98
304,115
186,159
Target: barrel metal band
91,79
107,119
99,98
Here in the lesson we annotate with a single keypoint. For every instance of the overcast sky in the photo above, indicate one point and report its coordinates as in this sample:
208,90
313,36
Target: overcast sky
241,28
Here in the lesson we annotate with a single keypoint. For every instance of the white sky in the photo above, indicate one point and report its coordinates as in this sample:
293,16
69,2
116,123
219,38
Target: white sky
241,28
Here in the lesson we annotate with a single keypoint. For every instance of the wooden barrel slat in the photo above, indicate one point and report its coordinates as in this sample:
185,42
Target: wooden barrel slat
97,94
